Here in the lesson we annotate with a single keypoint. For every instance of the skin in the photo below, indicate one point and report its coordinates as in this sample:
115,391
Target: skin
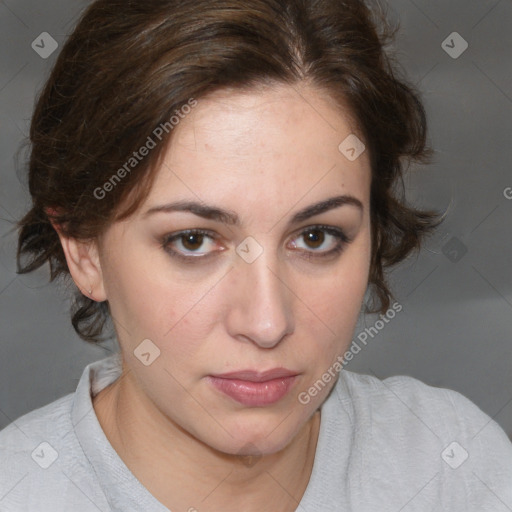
264,155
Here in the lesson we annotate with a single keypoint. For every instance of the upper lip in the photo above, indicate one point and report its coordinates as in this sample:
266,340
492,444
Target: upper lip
256,376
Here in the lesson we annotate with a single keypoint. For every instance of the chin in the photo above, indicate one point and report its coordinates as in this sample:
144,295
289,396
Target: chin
257,438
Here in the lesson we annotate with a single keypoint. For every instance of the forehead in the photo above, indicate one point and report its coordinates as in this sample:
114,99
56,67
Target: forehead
243,122
269,142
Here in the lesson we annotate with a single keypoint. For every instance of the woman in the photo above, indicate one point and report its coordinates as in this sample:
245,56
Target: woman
219,178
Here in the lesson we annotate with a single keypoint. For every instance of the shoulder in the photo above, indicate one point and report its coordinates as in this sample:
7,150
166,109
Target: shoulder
43,466
47,422
30,446
421,434
444,412
43,463
36,437
405,397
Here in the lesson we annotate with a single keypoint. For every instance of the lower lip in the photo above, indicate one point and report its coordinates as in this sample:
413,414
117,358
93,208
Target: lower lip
254,394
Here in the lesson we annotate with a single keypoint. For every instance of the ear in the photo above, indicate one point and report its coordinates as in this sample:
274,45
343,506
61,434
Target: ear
83,262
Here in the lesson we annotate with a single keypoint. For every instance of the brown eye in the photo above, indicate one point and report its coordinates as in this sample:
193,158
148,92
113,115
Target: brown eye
193,246
314,238
190,245
320,241
192,242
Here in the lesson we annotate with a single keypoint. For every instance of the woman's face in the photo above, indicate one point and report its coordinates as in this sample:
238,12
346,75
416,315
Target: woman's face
261,280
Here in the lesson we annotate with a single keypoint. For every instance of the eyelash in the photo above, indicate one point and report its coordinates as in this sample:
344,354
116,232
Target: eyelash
343,240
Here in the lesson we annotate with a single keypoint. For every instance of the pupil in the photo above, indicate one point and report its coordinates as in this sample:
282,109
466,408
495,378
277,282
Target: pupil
317,237
189,241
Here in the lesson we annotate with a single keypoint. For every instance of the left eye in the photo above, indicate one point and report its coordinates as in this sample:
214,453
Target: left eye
315,238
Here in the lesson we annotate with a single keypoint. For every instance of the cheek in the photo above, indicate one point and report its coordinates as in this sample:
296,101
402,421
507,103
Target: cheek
145,299
176,314
340,293
334,303
338,296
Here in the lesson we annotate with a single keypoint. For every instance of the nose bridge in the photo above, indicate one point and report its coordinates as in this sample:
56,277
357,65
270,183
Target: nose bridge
264,308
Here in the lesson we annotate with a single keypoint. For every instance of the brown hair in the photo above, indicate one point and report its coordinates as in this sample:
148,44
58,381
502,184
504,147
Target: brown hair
129,66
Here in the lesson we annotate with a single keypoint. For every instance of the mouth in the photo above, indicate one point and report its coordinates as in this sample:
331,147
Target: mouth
255,389
257,376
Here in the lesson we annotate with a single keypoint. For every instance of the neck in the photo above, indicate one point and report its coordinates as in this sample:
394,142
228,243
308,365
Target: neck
185,474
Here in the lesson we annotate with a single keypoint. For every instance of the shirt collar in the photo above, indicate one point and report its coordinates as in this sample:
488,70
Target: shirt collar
121,488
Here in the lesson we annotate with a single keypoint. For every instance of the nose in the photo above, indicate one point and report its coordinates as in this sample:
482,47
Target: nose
261,303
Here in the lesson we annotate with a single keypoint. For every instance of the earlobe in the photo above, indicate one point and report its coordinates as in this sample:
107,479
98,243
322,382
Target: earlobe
84,264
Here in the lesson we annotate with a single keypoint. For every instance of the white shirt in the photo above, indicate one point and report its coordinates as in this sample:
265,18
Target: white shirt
391,445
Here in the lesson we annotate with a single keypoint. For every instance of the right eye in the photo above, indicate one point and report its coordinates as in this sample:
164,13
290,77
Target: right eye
185,245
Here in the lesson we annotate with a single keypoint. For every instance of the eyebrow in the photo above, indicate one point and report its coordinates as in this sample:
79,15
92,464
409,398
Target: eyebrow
231,218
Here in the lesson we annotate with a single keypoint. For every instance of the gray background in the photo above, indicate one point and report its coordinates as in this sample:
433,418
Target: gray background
455,328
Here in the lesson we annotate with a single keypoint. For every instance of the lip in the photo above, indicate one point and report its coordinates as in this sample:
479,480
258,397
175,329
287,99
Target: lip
255,389
256,376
